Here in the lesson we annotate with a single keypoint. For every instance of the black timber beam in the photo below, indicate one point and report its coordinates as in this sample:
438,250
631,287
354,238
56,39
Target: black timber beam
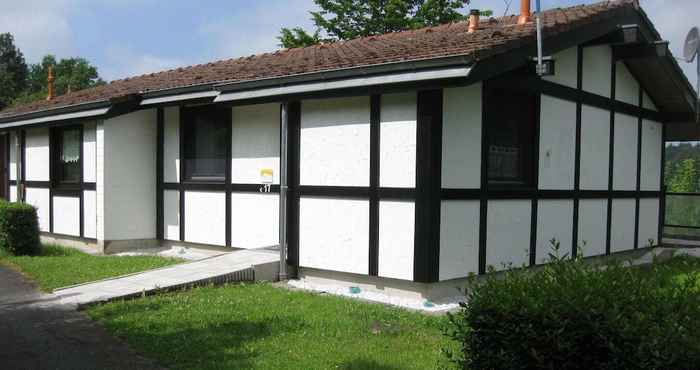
658,49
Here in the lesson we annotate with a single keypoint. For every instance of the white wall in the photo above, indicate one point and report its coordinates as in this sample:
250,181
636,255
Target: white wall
171,144
171,215
334,234
100,179
461,137
14,146
566,67
595,149
651,155
396,239
557,143
37,154
205,217
335,142
459,238
254,220
597,69
397,148
39,198
90,214
255,142
508,233
648,222
592,226
66,215
89,154
625,152
622,226
554,221
626,86
648,103
130,176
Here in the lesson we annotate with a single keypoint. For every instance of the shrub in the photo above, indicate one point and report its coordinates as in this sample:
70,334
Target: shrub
572,315
19,228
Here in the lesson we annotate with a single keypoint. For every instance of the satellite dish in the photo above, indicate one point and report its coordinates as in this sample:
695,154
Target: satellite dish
692,43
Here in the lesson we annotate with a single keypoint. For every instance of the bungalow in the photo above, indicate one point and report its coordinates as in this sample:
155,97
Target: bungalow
394,160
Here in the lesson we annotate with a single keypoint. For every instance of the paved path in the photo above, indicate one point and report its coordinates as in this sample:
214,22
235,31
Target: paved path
38,333
202,271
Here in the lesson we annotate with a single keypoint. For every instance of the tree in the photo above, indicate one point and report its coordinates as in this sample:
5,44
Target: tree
13,70
71,74
347,19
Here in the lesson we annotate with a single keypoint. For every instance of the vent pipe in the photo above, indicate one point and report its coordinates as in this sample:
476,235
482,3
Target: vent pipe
524,12
49,84
473,20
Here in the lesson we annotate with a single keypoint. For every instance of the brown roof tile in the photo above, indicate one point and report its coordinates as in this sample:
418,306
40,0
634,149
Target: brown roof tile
493,36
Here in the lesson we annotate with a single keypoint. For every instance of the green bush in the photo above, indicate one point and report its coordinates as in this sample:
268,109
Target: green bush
572,315
19,228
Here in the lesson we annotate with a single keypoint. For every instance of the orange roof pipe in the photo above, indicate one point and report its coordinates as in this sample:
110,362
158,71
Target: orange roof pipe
473,20
49,84
524,12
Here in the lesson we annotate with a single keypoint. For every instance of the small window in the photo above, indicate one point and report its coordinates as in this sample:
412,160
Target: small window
67,161
511,130
205,141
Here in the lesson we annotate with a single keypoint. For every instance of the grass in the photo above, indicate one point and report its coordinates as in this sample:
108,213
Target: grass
258,326
57,266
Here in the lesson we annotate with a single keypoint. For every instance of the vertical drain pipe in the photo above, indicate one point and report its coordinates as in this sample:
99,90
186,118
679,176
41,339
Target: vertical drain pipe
284,141
538,20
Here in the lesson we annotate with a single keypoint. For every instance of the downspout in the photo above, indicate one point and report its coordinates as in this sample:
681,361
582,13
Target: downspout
538,23
284,141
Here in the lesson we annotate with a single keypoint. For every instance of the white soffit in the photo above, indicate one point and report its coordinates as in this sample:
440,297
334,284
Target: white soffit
180,97
58,117
346,83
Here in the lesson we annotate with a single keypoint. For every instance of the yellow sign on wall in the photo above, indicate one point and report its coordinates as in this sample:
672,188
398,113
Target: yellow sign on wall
266,175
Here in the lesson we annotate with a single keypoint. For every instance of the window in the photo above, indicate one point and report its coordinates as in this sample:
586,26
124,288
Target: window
511,129
205,139
66,155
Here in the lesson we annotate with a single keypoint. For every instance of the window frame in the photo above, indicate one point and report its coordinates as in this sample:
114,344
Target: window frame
223,116
529,161
56,151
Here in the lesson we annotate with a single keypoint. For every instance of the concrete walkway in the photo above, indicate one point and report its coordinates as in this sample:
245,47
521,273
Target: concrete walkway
240,265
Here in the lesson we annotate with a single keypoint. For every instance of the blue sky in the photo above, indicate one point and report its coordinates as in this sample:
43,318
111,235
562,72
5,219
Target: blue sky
129,37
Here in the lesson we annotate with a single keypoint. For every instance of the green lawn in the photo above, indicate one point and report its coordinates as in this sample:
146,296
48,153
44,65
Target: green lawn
57,266
258,326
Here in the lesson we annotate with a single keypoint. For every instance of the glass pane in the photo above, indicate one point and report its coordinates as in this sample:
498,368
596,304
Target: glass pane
70,155
205,146
682,216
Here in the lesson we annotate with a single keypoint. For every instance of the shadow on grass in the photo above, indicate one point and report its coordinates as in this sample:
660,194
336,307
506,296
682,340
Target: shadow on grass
365,364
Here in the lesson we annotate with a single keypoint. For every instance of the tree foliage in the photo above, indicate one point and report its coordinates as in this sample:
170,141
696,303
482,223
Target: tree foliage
348,19
13,70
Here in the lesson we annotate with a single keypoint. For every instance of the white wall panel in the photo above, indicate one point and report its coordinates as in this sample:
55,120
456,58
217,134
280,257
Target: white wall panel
595,148
171,144
396,239
651,155
13,193
625,152
622,226
557,143
13,156
461,137
566,67
205,217
597,69
592,226
90,214
648,103
459,239
66,215
171,215
335,142
39,198
100,178
89,164
255,142
254,220
334,234
129,172
626,86
554,221
508,233
648,222
397,148
37,154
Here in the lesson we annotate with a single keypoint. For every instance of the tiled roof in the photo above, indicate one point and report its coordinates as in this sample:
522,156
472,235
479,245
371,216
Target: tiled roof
493,37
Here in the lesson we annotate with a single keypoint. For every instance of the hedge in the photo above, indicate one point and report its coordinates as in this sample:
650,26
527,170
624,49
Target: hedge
573,315
19,228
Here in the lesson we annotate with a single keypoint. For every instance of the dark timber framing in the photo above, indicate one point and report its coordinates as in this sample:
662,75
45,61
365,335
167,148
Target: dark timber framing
577,153
611,155
374,142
